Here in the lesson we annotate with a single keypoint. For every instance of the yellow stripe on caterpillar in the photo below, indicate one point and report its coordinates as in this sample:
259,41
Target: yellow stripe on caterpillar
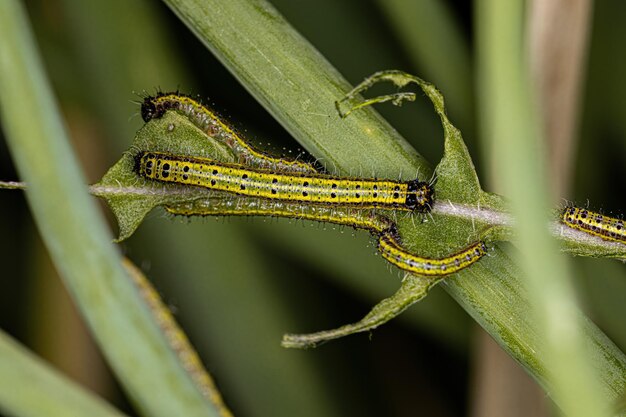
305,188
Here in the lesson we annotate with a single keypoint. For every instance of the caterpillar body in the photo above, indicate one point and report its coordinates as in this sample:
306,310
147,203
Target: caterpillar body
307,188
214,126
347,216
389,242
593,223
392,250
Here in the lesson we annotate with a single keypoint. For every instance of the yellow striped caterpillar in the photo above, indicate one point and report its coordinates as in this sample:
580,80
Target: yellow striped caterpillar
394,252
596,224
307,188
214,126
347,216
389,242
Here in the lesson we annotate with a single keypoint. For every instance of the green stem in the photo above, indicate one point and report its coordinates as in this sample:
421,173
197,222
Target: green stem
512,129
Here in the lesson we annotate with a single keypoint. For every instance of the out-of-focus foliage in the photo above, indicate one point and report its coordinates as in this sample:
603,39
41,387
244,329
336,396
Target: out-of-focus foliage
259,278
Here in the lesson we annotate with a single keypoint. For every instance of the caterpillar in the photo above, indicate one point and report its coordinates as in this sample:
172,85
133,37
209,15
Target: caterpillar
389,242
596,224
347,216
307,188
391,249
214,126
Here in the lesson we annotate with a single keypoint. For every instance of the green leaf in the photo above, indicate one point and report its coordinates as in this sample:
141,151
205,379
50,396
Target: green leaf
298,87
30,387
131,197
412,290
134,197
76,234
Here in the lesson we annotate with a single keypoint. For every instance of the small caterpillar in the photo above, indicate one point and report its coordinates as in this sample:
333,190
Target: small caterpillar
207,121
391,249
307,188
596,224
383,228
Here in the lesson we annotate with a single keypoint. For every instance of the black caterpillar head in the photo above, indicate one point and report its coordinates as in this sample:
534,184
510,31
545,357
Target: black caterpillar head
420,196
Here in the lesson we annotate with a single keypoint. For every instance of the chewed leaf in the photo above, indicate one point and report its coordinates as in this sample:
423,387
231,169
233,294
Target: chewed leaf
181,159
456,175
459,197
131,197
457,185
413,289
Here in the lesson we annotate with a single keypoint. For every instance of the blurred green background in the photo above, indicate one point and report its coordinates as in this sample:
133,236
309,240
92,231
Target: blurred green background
236,285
